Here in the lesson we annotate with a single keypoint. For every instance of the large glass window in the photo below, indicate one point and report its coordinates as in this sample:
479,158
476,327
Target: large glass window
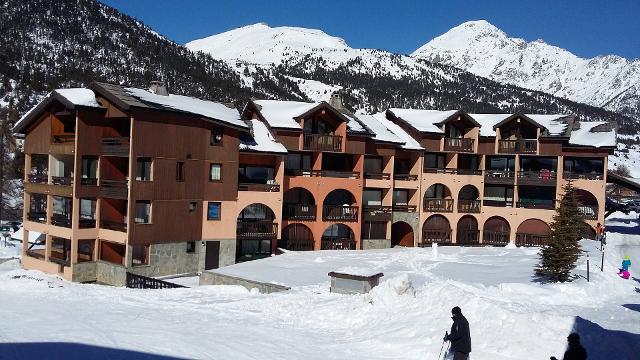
87,209
213,210
537,163
294,163
584,165
89,167
434,161
501,163
255,174
435,191
215,172
372,197
140,255
143,169
62,206
143,212
400,197
498,193
373,164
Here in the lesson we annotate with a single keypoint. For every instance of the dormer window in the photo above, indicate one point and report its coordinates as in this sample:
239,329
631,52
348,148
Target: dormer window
216,136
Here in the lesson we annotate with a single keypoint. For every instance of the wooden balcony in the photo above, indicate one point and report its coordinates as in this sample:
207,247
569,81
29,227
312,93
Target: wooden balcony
337,243
113,225
536,204
438,205
63,139
62,180
38,178
256,230
339,213
405,208
259,187
582,176
498,203
376,213
589,212
539,178
37,216
377,176
500,177
524,239
405,177
495,238
468,237
458,144
87,223
115,146
299,212
61,220
298,244
321,142
435,236
116,189
518,146
469,206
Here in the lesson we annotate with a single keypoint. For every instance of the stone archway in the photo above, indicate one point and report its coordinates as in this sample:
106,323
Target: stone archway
402,234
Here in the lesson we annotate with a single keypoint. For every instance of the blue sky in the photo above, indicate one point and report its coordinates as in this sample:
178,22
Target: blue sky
586,27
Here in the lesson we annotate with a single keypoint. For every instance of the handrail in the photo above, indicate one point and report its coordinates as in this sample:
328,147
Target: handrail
459,144
522,146
377,176
322,142
438,205
405,177
274,187
339,213
300,212
469,206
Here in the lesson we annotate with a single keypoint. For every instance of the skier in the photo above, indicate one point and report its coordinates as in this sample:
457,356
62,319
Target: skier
600,235
460,336
624,268
575,350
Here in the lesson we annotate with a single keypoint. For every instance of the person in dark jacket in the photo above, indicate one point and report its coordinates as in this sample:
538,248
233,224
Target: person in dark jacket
575,350
460,336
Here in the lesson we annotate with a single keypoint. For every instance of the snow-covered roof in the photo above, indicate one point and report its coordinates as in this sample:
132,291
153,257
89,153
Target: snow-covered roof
70,97
261,139
423,120
388,131
209,109
488,121
586,136
555,124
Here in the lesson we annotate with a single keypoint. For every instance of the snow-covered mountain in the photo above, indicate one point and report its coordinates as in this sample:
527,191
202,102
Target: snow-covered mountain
610,81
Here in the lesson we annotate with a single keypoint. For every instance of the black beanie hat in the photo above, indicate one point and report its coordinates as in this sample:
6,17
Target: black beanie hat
456,311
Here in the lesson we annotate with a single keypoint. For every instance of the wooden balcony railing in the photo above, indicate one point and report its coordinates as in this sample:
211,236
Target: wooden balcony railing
117,189
405,177
525,239
87,223
256,230
113,225
63,139
496,238
438,205
320,142
458,144
466,171
377,176
300,212
518,146
437,170
259,187
339,213
469,206
337,243
536,204
62,180
38,178
582,176
142,282
435,236
468,237
298,244
343,174
499,177
405,208
543,178
376,213
37,216
61,220
89,181
498,203
116,146
589,212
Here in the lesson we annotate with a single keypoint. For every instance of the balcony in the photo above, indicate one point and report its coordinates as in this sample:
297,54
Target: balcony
117,189
115,146
524,239
89,181
377,176
61,220
405,177
468,237
320,142
256,230
518,146
435,236
63,139
38,178
37,216
498,203
501,177
324,173
469,206
536,204
87,223
466,171
495,238
458,144
273,187
337,243
299,212
582,176
438,205
62,180
540,178
589,212
113,225
405,208
339,213
376,213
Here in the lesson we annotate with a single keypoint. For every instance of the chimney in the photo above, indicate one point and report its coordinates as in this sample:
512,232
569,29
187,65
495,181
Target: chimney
158,88
336,101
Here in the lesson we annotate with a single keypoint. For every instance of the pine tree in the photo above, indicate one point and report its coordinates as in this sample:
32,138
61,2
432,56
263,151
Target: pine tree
561,253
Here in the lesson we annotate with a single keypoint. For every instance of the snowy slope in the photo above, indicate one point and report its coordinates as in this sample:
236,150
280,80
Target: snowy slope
608,81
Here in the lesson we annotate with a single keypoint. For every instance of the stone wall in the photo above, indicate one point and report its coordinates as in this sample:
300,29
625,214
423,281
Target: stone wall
85,272
413,219
370,244
227,252
212,278
111,274
170,259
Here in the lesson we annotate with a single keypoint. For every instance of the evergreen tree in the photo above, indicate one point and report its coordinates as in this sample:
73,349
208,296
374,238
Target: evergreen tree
560,254
8,116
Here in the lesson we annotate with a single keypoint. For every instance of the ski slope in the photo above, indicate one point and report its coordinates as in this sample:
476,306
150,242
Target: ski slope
510,315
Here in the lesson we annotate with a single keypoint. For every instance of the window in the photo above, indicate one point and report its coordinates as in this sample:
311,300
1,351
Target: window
143,169
297,164
85,250
87,209
89,167
216,136
180,171
213,211
191,247
400,197
143,212
255,174
140,255
434,161
373,164
215,172
372,197
193,206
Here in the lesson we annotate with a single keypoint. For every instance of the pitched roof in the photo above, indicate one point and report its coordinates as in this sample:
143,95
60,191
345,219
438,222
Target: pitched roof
260,139
424,121
594,133
389,132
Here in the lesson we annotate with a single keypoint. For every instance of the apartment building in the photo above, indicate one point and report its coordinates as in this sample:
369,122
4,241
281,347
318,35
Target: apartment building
141,181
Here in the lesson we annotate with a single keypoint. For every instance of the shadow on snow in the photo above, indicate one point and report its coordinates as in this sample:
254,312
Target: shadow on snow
606,344
71,351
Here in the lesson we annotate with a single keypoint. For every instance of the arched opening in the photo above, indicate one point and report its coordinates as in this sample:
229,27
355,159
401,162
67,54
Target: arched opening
255,232
589,232
297,237
467,231
496,231
469,199
401,234
438,198
436,229
338,237
532,232
299,205
587,204
339,205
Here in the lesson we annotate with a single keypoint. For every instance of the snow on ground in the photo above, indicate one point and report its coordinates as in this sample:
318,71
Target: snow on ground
511,316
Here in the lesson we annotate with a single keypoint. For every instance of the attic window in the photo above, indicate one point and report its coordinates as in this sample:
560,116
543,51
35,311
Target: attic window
216,136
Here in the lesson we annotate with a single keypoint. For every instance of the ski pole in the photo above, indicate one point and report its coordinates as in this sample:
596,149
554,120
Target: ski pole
442,346
587,267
